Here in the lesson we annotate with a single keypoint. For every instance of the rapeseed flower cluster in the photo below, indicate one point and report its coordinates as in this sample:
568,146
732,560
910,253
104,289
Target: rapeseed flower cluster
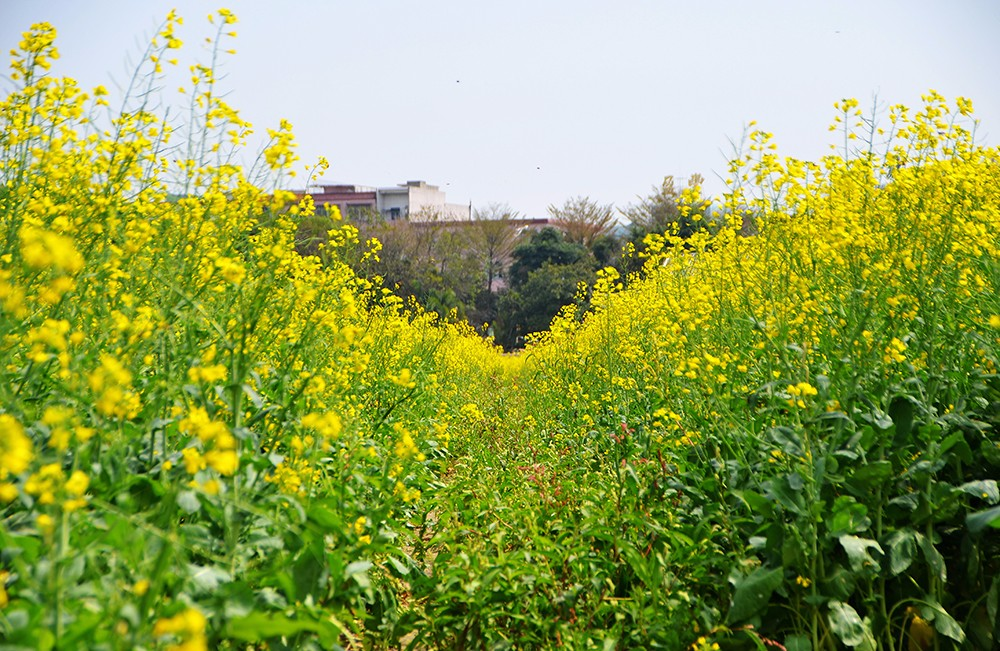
821,328
845,267
170,363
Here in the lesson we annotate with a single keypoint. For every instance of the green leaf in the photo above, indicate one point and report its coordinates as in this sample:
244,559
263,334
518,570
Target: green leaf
259,626
753,592
857,552
207,578
397,565
933,557
902,550
985,489
188,501
798,643
908,502
781,491
846,624
978,521
26,547
871,474
325,517
957,441
945,624
879,419
358,570
755,502
848,517
18,619
901,413
839,584
787,440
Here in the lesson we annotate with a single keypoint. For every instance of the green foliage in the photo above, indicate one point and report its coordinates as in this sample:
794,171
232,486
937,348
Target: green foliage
547,274
544,246
530,306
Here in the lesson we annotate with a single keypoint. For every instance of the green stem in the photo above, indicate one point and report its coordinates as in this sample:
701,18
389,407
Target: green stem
58,552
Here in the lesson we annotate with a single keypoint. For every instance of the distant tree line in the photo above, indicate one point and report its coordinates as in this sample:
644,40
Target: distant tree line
504,279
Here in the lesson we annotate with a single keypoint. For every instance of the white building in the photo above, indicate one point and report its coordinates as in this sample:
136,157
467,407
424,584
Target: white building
418,201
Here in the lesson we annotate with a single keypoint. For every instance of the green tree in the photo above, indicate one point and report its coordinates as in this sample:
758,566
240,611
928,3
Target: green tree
532,306
546,245
545,275
430,261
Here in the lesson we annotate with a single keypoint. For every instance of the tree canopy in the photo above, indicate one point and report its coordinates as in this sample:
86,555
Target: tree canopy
582,220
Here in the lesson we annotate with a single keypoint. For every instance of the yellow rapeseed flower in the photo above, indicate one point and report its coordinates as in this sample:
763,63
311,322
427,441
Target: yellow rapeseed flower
188,626
328,424
16,450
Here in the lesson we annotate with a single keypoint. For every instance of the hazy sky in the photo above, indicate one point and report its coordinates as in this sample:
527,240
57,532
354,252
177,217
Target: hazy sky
533,102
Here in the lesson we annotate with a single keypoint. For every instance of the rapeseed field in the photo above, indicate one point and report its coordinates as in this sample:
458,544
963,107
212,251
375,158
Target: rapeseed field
781,433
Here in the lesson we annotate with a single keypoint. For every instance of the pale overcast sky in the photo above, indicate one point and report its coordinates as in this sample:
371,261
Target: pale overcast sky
531,102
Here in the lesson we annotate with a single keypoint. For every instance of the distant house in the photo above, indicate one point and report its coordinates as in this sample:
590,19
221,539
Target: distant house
412,201
352,200
418,201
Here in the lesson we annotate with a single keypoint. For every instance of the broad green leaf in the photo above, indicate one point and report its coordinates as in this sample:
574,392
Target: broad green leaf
902,550
326,518
834,415
787,440
357,567
358,570
188,501
18,619
868,643
879,419
871,474
945,624
262,626
207,578
901,412
978,521
933,557
857,551
756,503
848,517
957,441
846,624
839,584
798,643
753,592
397,565
908,502
26,548
780,491
985,490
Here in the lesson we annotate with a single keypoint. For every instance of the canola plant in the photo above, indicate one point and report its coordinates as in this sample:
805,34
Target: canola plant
782,432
